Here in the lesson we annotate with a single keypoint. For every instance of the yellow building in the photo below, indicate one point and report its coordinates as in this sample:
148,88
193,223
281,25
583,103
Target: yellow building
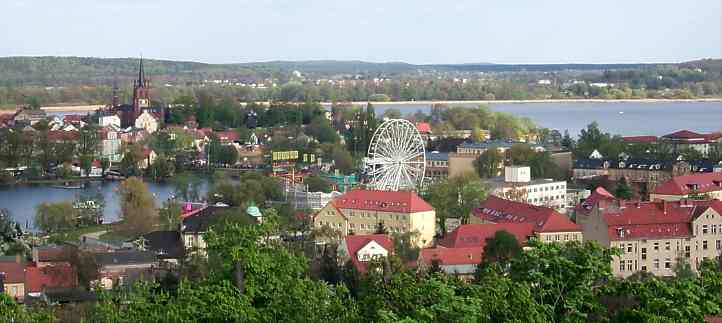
653,236
362,211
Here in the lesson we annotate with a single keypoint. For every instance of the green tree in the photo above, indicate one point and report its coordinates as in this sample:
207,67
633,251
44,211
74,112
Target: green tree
170,214
455,198
489,163
501,248
318,184
622,190
54,217
392,113
342,159
137,207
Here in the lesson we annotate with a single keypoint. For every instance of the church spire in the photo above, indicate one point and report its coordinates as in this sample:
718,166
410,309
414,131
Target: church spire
141,74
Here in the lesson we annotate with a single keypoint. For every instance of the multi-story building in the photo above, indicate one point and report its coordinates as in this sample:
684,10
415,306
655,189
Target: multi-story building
363,211
708,185
640,172
548,224
437,165
517,185
682,140
478,148
110,143
653,236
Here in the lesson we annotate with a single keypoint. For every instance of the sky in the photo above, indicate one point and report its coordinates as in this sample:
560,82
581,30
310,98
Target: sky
412,31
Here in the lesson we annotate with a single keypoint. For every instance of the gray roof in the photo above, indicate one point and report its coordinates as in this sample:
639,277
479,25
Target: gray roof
200,222
166,244
498,143
437,156
125,258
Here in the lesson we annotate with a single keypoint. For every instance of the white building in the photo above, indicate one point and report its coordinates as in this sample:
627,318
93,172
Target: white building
517,185
111,120
147,121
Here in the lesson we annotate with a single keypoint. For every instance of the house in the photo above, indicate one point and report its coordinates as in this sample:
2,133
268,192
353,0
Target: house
362,211
12,276
424,128
56,276
149,157
124,267
167,245
29,116
196,225
49,255
517,185
549,225
110,143
682,187
437,165
685,139
460,262
148,121
76,120
653,236
475,235
640,172
109,120
362,249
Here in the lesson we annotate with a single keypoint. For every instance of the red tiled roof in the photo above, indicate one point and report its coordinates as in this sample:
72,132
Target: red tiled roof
382,201
684,134
49,253
452,256
423,127
653,219
498,210
72,118
475,235
678,185
227,135
53,276
713,136
643,139
60,135
14,271
354,243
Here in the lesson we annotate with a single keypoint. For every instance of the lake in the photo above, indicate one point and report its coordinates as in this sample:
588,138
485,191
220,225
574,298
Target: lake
21,200
624,118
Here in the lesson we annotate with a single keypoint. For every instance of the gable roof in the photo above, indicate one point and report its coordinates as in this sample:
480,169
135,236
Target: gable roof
682,185
498,210
423,127
382,201
50,277
166,244
598,195
452,256
354,243
199,222
475,235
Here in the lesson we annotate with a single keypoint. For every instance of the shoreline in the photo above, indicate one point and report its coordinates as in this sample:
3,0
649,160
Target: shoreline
89,108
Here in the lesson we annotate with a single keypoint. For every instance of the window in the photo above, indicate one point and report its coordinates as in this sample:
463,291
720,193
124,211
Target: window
704,229
629,247
667,263
704,245
621,265
656,246
719,245
644,268
644,253
629,265
667,245
686,251
714,229
656,263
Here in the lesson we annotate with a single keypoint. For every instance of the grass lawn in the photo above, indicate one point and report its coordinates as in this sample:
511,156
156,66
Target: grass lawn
74,235
117,236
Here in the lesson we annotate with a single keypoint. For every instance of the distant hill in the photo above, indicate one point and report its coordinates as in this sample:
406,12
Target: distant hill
66,71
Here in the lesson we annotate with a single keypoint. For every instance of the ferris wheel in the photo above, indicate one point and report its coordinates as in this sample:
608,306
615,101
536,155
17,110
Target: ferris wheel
396,158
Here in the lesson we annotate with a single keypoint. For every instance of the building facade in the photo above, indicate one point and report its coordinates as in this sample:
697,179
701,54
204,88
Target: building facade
517,185
704,185
653,237
363,211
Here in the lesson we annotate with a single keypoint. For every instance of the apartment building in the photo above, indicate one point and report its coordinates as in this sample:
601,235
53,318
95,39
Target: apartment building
517,185
653,236
707,185
362,212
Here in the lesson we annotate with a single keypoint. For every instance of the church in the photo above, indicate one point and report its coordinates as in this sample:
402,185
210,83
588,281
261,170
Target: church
140,107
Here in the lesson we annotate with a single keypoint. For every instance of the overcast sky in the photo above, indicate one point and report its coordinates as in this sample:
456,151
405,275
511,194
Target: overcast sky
414,31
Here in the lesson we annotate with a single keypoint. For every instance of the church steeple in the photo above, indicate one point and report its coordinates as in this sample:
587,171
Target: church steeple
141,74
